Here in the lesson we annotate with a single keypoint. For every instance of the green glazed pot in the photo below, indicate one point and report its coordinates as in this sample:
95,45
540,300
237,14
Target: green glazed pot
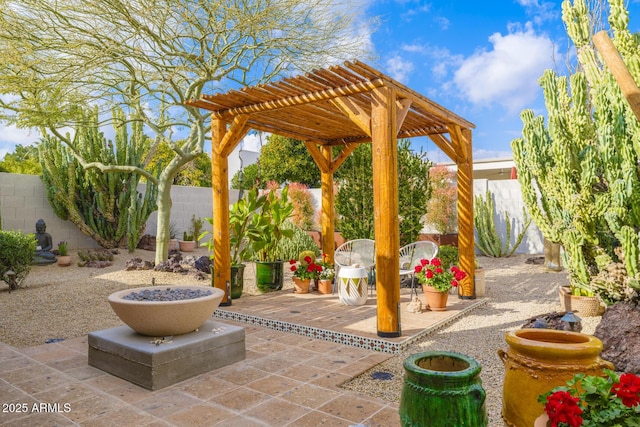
269,276
237,281
442,389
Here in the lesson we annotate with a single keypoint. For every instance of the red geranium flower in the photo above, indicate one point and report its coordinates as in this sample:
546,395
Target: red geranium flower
562,407
628,389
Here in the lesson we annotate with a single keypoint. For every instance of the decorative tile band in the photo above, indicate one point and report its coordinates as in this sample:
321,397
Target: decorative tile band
375,344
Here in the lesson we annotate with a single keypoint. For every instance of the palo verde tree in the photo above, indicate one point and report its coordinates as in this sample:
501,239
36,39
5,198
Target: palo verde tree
151,56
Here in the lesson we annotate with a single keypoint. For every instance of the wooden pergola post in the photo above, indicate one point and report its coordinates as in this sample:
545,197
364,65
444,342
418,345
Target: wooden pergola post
466,249
220,190
385,201
328,202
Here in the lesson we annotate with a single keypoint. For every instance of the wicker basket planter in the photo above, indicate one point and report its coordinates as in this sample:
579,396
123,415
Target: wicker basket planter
584,306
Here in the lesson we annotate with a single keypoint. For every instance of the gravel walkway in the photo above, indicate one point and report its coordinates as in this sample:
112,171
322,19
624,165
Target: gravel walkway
67,305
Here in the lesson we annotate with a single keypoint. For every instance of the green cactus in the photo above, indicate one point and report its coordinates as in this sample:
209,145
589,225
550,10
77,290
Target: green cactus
103,205
578,174
488,239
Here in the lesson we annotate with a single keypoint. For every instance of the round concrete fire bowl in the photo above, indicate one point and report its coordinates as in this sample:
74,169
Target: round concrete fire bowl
175,315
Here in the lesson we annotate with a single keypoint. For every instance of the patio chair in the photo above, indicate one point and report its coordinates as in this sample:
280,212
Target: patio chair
357,251
410,256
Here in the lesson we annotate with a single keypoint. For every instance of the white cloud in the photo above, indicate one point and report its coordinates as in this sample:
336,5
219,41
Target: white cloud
508,74
540,11
399,69
442,22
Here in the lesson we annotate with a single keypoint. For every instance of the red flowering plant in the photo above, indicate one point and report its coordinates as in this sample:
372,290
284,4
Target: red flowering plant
593,401
431,273
306,269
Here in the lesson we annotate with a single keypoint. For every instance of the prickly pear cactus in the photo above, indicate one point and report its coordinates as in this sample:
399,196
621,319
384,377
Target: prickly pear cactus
103,205
578,171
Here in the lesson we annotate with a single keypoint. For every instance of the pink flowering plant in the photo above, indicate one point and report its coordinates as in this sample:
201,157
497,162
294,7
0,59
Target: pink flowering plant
593,401
306,269
431,273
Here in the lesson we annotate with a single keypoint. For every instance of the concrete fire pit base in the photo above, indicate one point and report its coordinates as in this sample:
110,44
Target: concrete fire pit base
155,363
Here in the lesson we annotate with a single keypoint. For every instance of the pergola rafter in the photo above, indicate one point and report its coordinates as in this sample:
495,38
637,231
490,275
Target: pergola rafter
344,106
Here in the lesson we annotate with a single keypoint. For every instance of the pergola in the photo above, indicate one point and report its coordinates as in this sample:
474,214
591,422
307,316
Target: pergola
344,106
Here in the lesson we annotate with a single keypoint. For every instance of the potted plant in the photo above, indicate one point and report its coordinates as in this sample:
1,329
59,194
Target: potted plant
64,259
268,225
303,272
436,281
592,401
242,233
327,275
187,244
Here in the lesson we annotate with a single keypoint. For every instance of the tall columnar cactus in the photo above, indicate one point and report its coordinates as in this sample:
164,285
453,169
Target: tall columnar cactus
488,240
578,174
104,206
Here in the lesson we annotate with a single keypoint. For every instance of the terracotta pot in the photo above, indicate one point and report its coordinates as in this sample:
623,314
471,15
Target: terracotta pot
584,306
187,245
324,286
538,360
64,260
301,285
436,300
165,318
542,421
173,244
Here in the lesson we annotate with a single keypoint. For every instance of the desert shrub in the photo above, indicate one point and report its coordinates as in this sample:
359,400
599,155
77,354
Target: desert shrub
16,255
301,241
303,211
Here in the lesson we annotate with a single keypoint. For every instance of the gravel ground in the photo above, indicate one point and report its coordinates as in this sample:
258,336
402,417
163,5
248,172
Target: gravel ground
61,302
516,291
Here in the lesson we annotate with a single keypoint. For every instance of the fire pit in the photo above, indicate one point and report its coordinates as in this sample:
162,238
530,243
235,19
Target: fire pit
160,311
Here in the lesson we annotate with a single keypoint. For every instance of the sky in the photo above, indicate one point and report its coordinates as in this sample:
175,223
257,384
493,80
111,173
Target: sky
481,60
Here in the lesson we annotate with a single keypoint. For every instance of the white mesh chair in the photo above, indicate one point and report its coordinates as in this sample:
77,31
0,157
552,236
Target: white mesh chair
410,256
358,251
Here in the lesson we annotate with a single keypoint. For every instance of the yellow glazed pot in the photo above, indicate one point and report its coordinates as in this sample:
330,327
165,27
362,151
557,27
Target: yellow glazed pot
536,361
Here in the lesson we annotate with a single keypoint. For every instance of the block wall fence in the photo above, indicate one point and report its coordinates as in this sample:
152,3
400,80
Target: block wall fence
23,201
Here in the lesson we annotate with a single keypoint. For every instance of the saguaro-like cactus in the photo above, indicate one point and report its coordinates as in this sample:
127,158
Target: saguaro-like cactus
104,206
578,174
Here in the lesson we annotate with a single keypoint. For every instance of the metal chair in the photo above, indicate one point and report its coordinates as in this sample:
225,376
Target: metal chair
357,251
410,256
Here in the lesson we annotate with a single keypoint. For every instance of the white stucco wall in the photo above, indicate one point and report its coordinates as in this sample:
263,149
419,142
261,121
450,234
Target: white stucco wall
23,201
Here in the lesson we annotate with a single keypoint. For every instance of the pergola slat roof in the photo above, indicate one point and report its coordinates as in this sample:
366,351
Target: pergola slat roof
344,105
316,117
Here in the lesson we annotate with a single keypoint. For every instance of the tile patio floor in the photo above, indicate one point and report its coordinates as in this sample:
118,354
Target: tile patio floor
287,379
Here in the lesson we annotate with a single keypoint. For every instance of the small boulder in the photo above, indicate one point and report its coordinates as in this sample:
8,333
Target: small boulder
203,264
619,331
147,242
551,321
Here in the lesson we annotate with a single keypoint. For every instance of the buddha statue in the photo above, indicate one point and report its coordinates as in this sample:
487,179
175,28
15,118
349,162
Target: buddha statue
43,254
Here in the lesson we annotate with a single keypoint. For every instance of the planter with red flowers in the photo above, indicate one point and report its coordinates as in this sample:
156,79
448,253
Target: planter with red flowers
436,282
303,272
590,401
